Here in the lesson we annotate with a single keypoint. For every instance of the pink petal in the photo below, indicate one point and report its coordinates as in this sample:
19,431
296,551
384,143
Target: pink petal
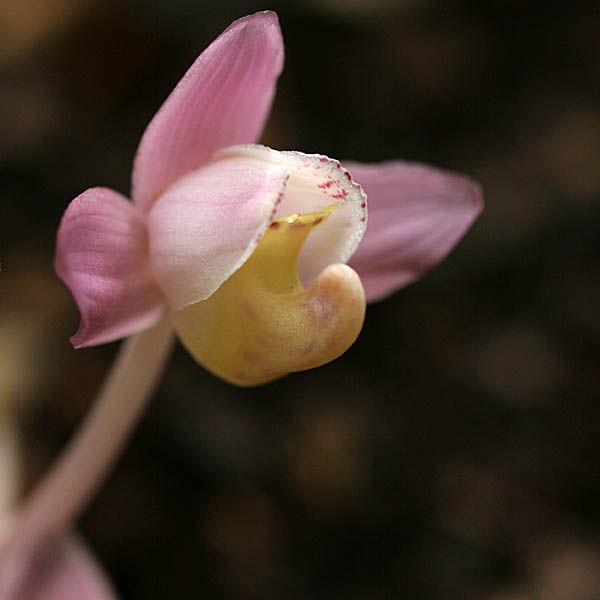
102,257
205,226
63,571
223,99
417,214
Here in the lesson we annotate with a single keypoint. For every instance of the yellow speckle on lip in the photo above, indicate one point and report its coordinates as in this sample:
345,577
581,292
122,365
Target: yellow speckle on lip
261,324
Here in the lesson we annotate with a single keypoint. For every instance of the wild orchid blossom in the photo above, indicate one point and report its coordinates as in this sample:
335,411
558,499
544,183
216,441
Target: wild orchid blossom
239,248
222,235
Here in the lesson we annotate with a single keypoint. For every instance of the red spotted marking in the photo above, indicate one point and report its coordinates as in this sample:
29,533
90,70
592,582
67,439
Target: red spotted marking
326,184
341,195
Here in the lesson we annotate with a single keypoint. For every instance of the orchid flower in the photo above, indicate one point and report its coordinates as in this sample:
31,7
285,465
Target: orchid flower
241,249
224,235
61,570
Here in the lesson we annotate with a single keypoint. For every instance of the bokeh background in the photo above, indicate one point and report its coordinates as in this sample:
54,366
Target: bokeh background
453,451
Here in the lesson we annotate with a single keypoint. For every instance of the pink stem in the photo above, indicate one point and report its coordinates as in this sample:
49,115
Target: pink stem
66,489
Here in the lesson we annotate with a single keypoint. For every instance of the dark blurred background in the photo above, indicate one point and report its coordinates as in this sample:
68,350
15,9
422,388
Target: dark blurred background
453,451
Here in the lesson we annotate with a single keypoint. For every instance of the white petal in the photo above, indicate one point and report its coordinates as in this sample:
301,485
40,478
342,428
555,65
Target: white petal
315,182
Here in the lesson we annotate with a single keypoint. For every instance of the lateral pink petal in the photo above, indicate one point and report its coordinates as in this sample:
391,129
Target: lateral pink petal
417,214
102,257
223,99
65,570
205,226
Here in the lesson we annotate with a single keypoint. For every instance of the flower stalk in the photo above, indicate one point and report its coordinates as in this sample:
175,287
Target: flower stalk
64,492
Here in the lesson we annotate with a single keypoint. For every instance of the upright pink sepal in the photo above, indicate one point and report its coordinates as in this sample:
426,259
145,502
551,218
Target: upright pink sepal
417,214
102,257
65,570
222,100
